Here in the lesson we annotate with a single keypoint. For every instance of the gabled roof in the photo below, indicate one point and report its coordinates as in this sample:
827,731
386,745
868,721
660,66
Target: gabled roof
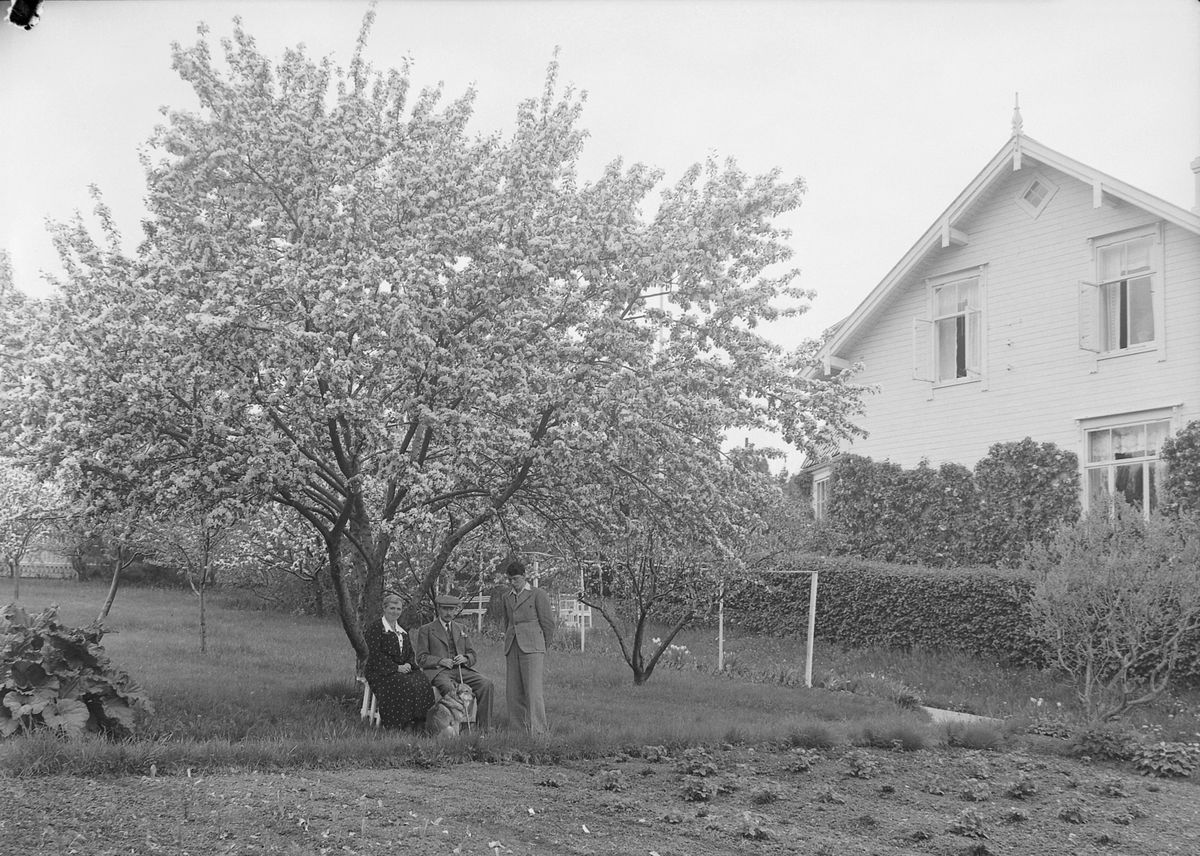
942,233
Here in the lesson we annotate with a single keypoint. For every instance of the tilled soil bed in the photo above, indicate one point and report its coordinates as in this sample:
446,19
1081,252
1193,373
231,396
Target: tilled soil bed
720,801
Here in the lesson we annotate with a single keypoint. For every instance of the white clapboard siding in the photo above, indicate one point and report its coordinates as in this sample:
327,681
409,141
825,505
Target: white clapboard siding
1038,381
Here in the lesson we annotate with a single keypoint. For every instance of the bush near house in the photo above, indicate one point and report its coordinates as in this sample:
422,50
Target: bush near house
1017,496
862,603
1026,492
1181,454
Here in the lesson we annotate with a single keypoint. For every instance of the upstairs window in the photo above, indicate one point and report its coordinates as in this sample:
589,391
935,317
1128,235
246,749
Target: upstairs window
957,329
948,346
1126,312
1121,311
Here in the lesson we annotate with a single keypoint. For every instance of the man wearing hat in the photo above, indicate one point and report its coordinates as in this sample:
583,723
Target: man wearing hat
528,627
445,653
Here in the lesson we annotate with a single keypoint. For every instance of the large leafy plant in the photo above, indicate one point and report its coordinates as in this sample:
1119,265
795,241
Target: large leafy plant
60,678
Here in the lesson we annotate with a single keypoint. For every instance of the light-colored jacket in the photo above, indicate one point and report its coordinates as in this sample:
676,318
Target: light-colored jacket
528,620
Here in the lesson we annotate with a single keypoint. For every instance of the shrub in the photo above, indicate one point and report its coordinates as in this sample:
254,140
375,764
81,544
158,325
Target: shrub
1115,600
1026,491
974,735
862,604
1167,760
892,733
1181,454
59,678
813,735
1105,743
882,511
1017,496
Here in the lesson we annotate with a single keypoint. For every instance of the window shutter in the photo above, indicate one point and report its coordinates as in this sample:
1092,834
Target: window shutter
1089,316
922,350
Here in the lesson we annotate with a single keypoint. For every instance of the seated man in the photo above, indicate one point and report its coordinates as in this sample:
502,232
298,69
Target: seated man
444,651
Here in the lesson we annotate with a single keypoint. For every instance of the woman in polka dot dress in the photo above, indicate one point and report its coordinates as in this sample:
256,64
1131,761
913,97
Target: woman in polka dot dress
402,691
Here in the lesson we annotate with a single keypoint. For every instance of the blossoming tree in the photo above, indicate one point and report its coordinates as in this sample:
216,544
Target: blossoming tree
348,305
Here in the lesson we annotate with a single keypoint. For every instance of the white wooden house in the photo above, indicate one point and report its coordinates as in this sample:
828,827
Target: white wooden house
1049,300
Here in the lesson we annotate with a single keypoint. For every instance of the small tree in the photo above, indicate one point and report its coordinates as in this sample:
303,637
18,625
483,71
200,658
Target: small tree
192,543
30,508
1115,598
663,557
645,580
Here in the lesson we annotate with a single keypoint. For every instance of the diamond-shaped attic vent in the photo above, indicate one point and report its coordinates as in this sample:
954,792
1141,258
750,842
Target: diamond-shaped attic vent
1036,195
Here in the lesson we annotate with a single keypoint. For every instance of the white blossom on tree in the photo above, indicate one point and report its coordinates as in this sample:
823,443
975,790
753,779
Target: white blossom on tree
348,305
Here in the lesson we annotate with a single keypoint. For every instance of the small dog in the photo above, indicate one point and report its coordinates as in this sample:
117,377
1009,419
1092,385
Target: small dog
466,697
445,718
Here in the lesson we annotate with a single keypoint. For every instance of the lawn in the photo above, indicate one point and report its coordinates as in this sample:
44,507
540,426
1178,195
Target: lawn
281,686
256,748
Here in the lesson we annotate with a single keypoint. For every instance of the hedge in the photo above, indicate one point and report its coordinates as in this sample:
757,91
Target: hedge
1017,496
861,603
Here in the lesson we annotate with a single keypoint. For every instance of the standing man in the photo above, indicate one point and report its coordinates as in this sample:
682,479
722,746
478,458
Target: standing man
528,628
444,651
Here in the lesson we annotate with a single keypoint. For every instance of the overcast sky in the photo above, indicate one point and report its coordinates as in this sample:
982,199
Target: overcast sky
887,109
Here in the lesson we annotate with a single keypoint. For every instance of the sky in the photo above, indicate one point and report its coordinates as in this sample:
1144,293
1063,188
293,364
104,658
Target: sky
887,108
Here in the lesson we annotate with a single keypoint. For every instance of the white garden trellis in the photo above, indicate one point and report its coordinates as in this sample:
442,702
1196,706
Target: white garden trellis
812,624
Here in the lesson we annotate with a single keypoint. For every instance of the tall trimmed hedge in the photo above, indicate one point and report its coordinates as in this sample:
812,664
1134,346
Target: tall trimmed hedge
950,516
1026,491
883,511
861,603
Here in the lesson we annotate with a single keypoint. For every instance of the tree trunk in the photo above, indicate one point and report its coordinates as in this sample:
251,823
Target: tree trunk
203,621
318,597
14,568
118,565
368,559
342,600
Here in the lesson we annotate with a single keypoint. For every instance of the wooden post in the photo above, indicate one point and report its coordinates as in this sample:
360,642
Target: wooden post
721,629
579,609
812,628
479,614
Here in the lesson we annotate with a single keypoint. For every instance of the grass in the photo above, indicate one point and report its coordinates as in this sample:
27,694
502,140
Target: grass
943,679
277,691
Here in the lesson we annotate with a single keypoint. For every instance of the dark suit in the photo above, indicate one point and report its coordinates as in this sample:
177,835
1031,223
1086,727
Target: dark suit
528,628
434,644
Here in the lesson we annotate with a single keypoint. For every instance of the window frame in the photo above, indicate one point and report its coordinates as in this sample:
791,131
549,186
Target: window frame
820,493
1152,483
1032,210
1093,300
928,328
820,497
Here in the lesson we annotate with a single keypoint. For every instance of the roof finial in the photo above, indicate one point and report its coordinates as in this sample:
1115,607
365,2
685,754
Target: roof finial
1016,119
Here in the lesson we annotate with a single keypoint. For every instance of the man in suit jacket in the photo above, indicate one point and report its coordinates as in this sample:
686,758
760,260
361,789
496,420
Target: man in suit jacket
445,652
528,628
